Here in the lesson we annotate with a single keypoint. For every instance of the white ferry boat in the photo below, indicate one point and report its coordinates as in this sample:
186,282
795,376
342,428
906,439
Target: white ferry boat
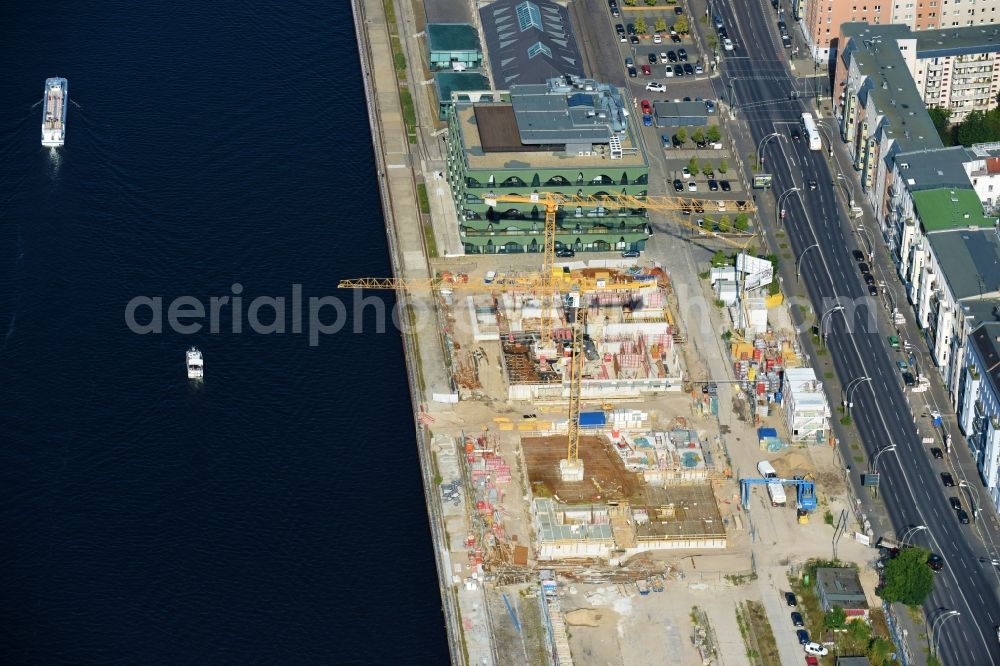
195,364
54,113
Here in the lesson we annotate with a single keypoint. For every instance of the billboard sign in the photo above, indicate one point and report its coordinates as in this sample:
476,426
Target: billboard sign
762,181
754,271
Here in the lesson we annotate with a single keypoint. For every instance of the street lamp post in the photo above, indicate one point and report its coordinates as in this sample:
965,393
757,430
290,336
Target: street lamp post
847,190
798,261
822,321
850,388
911,530
972,498
863,232
779,210
762,145
939,622
878,454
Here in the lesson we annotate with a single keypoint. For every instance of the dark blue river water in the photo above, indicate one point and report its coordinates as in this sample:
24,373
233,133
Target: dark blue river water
275,515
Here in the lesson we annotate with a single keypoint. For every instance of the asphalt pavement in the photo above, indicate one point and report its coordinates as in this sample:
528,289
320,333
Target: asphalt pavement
766,99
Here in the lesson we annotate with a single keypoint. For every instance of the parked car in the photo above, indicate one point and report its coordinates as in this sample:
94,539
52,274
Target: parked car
872,290
633,72
955,503
790,600
803,636
682,55
646,106
630,28
651,58
937,454
671,56
675,38
678,185
678,10
727,44
633,39
963,517
947,480
724,184
816,649
810,660
710,106
630,254
629,62
678,70
647,120
654,86
668,72
907,377
698,69
657,38
858,255
713,185
686,173
692,186
797,619
664,59
688,69
646,71
565,252
894,342
863,267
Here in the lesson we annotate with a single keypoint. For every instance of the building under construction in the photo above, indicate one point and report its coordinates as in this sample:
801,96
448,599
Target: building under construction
629,344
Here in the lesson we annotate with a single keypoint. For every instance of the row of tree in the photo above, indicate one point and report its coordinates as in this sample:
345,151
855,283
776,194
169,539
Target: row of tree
699,135
978,126
660,25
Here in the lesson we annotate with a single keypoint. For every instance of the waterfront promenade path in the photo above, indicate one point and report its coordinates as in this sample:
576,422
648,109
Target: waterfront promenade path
465,610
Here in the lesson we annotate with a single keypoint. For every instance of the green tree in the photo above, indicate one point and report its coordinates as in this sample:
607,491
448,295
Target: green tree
698,135
723,166
835,618
724,224
640,25
908,579
681,24
707,169
742,222
880,651
975,129
630,3
681,135
661,24
720,259
860,632
693,165
942,123
713,134
651,2
773,288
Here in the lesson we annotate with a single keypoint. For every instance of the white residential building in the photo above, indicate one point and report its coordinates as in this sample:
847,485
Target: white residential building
979,403
807,412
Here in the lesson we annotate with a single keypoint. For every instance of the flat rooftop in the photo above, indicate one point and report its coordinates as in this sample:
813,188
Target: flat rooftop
448,11
449,82
946,208
890,86
527,157
934,169
969,260
452,37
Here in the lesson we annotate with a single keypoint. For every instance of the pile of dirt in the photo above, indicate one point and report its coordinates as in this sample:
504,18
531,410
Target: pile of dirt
584,617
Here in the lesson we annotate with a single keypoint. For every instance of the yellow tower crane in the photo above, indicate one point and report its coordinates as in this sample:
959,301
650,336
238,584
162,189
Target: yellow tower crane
553,201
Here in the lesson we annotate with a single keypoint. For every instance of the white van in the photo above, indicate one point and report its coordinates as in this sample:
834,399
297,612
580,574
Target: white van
766,470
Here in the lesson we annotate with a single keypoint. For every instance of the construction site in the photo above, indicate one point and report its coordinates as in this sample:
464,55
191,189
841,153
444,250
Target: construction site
588,440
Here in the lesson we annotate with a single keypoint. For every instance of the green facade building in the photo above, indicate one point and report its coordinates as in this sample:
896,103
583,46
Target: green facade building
451,44
570,136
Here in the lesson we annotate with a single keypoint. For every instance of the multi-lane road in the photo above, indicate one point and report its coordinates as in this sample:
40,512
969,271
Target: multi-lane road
756,82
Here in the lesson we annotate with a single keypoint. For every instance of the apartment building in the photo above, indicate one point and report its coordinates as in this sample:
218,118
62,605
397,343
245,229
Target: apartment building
821,19
979,404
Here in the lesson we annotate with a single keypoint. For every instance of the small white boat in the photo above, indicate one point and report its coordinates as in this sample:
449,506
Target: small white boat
54,113
195,364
